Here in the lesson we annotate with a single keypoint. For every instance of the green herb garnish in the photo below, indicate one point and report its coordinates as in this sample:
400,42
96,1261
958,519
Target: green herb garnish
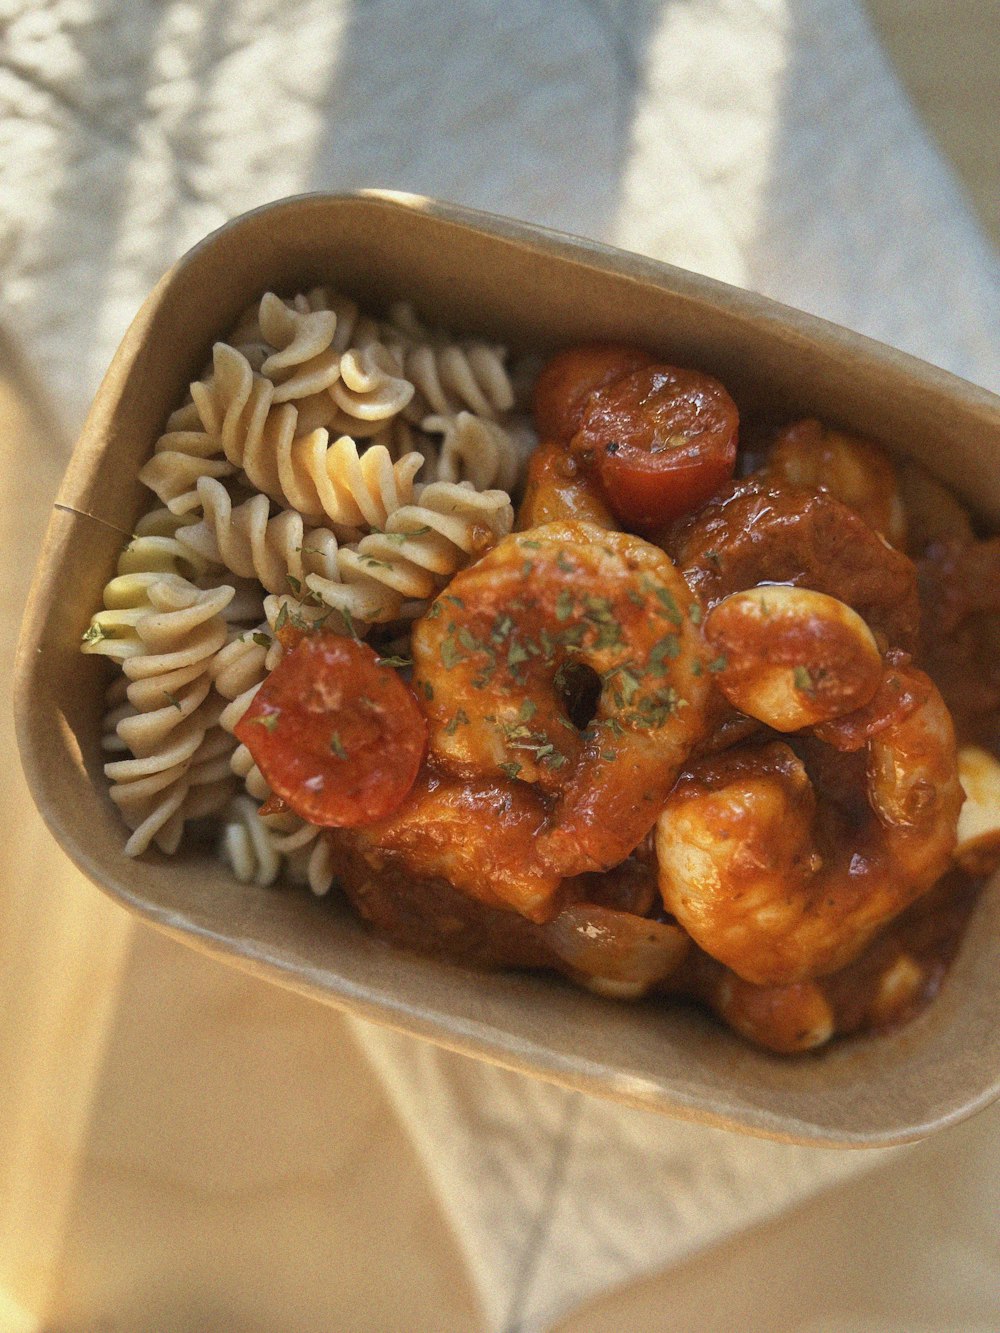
803,680
450,654
461,719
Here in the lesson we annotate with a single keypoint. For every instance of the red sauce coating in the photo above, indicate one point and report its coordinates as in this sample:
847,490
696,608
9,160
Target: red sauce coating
450,864
558,487
753,532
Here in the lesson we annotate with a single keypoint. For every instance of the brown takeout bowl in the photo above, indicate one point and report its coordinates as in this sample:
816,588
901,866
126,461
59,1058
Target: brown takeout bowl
522,285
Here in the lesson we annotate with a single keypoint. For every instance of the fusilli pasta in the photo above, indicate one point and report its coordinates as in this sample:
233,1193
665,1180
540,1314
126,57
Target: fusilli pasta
288,492
423,544
278,551
459,376
476,450
183,453
304,361
186,777
246,844
372,390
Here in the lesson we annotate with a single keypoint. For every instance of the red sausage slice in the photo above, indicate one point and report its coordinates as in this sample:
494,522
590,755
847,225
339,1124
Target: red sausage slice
566,382
336,735
663,441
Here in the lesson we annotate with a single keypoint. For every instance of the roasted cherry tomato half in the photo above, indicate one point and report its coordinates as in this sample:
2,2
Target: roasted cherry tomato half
337,735
663,440
567,381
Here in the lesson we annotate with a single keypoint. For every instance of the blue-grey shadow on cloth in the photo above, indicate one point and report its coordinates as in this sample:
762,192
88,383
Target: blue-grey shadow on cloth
516,108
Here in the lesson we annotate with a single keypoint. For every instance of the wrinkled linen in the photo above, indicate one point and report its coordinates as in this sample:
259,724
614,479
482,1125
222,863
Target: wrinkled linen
764,142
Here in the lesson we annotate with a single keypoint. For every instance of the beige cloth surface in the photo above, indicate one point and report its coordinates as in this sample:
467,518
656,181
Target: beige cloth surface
184,1149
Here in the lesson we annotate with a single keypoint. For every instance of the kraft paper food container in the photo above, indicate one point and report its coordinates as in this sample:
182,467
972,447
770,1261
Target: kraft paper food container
527,287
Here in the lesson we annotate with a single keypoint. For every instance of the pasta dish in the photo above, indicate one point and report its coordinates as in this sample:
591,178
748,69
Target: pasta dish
561,664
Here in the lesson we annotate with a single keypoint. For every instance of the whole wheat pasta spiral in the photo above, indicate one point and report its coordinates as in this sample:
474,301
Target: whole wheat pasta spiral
186,778
258,848
239,670
400,437
174,636
422,545
160,704
354,591
246,844
354,329
140,715
234,405
175,770
153,556
304,361
244,661
308,473
457,376
183,453
352,334
278,551
154,547
476,450
182,626
371,391
309,858
353,489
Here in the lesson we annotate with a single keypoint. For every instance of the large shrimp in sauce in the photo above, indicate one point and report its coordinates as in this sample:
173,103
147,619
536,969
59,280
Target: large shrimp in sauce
782,860
884,986
782,880
568,659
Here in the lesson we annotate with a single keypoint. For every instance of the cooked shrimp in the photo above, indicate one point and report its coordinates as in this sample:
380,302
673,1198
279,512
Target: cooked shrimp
783,884
568,658
792,657
859,473
899,973
754,532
